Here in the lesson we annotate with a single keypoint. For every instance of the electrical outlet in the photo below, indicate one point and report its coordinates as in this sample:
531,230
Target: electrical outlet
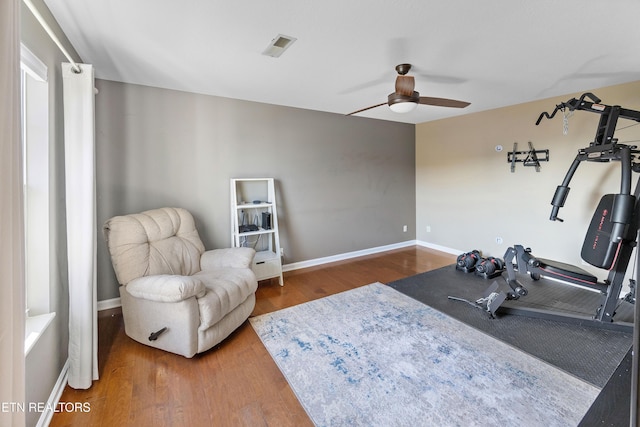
428,229
404,228
281,251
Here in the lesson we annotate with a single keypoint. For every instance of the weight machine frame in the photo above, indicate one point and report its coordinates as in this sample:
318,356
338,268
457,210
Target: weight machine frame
625,217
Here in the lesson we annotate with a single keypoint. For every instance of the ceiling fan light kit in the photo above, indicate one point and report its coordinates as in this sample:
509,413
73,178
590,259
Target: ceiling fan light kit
402,103
405,99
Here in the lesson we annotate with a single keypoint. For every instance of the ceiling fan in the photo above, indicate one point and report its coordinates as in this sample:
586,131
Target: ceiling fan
405,99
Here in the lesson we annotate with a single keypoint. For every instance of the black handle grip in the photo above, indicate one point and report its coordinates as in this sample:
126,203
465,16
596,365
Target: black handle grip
154,335
591,96
560,196
545,114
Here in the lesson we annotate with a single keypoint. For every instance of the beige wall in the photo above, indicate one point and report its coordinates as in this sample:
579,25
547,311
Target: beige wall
466,193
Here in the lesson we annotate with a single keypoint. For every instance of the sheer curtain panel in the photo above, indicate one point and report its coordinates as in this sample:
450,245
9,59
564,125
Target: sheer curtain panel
12,305
79,146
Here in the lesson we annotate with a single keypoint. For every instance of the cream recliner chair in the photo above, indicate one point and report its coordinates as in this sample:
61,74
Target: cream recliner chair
169,281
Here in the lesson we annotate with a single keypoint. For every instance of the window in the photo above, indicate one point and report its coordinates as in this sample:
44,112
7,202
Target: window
35,149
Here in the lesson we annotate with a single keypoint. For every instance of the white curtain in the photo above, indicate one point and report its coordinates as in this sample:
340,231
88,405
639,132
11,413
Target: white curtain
79,147
12,305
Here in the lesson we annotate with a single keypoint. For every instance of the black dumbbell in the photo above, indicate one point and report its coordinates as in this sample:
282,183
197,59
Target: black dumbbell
490,265
468,260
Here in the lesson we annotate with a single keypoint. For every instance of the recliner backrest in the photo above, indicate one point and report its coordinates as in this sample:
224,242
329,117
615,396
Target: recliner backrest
158,241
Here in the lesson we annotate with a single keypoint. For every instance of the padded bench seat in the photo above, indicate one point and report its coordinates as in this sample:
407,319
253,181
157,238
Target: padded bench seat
566,272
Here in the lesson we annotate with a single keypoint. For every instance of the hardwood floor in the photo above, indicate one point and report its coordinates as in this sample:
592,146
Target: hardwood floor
234,384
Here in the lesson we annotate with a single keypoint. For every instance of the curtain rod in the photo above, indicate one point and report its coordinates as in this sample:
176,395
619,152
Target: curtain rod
76,68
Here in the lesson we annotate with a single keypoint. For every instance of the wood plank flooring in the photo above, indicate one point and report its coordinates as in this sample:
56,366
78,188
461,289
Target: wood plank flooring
234,384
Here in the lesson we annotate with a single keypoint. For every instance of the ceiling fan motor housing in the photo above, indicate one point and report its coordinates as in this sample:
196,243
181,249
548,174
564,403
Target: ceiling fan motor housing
403,69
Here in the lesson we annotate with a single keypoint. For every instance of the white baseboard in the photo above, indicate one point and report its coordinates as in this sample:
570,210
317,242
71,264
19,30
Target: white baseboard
54,397
440,248
115,302
344,256
109,303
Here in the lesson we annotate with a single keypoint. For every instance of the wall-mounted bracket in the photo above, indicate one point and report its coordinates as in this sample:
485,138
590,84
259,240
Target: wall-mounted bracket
532,157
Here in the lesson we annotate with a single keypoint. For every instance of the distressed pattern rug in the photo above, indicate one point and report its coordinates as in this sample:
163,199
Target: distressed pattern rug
373,356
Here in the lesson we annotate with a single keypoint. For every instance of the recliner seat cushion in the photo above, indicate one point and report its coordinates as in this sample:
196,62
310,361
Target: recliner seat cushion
166,288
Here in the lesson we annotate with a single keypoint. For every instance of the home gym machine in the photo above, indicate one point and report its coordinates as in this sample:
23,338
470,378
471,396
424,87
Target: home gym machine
611,235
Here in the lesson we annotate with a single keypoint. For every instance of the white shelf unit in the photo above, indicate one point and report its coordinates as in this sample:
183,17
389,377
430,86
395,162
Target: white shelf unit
253,202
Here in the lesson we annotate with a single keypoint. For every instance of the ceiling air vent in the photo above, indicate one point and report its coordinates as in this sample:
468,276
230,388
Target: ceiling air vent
278,45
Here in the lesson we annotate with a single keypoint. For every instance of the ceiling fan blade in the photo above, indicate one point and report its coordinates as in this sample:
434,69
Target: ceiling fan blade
366,85
440,79
436,78
405,85
365,109
443,102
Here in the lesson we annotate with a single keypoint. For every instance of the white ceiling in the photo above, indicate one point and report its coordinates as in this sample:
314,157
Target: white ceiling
491,53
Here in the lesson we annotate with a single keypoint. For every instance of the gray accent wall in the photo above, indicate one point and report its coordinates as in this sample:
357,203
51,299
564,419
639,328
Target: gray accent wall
343,183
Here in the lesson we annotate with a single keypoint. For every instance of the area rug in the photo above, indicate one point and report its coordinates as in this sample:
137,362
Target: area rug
373,356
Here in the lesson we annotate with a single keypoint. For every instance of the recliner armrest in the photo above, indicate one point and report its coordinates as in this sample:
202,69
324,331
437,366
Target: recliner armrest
227,258
166,288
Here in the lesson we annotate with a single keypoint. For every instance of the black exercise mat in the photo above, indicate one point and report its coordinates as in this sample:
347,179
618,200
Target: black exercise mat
589,353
